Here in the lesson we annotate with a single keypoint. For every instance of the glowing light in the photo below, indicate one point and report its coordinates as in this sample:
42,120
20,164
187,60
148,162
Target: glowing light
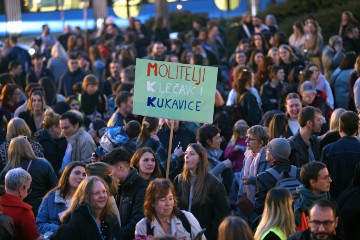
14,27
179,7
31,51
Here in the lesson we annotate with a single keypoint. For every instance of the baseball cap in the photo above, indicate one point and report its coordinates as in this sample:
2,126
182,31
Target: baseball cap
307,87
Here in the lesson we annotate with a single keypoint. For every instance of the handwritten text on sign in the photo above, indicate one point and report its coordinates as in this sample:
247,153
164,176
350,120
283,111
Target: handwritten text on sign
174,91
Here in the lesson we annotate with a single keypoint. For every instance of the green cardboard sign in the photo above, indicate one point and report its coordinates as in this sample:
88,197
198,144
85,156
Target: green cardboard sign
174,91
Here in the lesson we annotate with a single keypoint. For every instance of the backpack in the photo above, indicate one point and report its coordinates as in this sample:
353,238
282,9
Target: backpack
234,112
112,138
286,180
184,221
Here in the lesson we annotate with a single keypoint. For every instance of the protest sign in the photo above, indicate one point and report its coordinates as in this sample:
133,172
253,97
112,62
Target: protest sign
174,90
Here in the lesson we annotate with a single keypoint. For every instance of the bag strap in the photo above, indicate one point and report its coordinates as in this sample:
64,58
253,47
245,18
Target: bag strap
185,222
149,229
29,165
293,171
274,173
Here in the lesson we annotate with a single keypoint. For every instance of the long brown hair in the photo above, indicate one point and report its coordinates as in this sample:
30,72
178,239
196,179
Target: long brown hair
63,184
242,75
148,125
134,162
233,228
83,196
201,186
157,189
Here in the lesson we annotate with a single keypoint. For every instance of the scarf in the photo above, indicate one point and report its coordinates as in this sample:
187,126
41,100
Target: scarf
251,163
306,200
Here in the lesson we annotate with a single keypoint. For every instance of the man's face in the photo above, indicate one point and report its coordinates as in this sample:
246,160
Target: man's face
67,128
322,222
322,183
128,106
18,70
37,62
317,123
73,65
158,49
115,70
308,98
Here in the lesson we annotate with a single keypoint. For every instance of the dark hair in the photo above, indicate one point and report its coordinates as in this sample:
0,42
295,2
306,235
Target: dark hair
71,98
348,123
274,70
299,25
132,129
73,57
263,72
37,56
350,28
205,133
198,59
242,75
50,90
307,114
63,184
348,61
310,171
122,97
323,203
278,126
14,64
32,86
73,117
134,162
279,39
117,155
148,125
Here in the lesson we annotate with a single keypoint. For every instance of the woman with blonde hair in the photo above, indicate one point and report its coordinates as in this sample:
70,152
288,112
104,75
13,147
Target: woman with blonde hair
200,192
20,154
147,164
103,170
277,220
162,215
233,228
90,214
17,127
34,114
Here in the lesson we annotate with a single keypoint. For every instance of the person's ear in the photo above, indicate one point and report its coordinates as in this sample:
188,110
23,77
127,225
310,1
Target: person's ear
336,221
312,182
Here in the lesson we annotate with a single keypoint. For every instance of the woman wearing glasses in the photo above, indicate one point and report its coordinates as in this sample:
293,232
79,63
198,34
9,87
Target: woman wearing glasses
41,171
254,163
89,215
58,199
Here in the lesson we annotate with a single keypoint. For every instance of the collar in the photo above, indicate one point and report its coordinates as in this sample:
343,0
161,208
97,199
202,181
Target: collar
13,201
58,198
76,135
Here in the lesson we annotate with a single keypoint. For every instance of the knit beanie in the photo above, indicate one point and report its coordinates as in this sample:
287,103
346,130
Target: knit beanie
280,149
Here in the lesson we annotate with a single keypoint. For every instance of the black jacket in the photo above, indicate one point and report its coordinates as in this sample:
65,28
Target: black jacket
213,211
299,149
31,76
273,98
265,182
29,119
250,110
7,228
82,225
341,158
43,179
54,149
305,235
130,202
67,81
349,204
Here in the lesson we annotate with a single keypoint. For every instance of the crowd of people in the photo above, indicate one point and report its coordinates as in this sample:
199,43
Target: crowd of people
280,161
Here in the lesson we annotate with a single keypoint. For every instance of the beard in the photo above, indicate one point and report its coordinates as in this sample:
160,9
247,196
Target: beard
321,236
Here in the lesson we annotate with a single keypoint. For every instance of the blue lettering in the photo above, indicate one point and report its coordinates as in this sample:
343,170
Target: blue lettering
197,106
189,107
167,101
150,101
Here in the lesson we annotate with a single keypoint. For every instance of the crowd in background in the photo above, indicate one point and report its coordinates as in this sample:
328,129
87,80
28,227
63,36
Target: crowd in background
280,161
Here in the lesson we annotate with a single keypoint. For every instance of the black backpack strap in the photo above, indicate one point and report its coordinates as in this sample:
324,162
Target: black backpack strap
185,222
293,171
149,229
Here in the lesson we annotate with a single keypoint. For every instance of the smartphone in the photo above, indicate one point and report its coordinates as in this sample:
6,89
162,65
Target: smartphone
199,235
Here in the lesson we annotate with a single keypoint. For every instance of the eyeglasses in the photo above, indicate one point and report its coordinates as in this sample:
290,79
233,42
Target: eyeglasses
326,224
325,178
250,139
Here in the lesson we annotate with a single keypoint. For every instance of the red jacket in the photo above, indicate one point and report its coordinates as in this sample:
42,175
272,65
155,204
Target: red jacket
22,215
